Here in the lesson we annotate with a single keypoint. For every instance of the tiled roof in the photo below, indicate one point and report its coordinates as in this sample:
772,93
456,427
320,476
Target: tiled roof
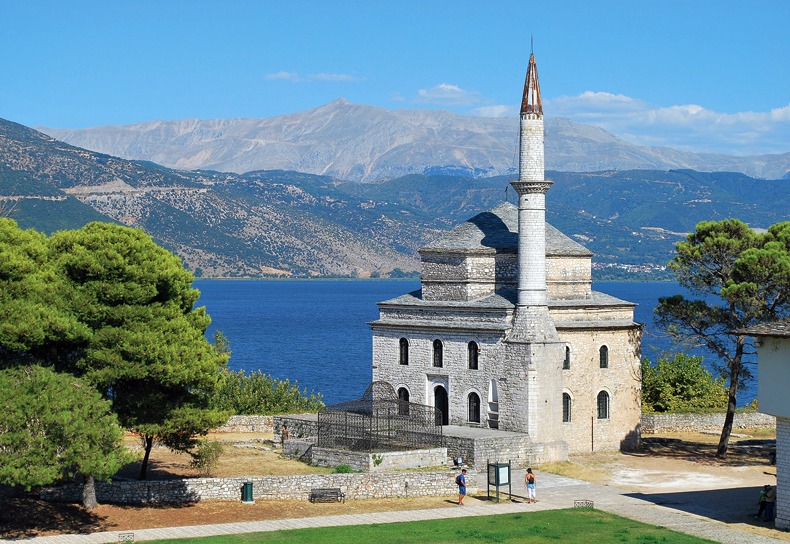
496,230
779,328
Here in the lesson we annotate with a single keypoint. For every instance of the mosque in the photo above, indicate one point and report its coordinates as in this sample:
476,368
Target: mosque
506,333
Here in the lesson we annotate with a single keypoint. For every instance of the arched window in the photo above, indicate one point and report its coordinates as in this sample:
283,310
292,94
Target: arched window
603,405
473,351
404,352
566,364
474,407
604,357
437,354
566,408
403,401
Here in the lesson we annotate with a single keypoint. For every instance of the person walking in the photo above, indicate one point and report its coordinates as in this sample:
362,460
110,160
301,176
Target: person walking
529,482
461,481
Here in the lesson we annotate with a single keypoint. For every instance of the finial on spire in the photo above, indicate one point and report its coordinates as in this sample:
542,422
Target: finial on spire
530,103
531,45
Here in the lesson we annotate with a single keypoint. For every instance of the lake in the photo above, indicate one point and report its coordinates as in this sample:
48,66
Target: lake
316,332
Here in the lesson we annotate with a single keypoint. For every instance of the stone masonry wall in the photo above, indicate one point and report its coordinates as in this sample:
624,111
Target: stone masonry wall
654,423
371,485
782,475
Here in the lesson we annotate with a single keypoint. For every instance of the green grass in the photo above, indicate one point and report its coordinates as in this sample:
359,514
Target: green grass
571,525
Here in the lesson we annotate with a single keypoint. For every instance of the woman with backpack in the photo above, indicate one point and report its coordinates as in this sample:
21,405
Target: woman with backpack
529,482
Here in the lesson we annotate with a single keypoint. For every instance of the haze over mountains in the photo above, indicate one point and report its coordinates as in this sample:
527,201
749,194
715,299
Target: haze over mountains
367,143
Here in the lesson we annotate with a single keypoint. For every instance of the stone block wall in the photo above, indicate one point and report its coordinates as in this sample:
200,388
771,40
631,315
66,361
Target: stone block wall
391,460
248,424
476,452
371,485
654,423
782,473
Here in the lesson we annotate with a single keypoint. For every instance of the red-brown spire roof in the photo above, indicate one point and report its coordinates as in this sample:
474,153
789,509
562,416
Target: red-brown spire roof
530,103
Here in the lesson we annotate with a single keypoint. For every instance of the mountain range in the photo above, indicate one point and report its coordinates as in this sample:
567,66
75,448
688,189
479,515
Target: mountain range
285,223
366,143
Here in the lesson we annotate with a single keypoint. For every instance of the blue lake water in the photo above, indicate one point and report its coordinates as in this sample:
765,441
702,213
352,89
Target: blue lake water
316,332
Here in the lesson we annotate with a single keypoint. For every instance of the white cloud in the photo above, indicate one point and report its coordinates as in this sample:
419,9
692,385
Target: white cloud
288,76
685,126
446,94
332,77
496,111
323,76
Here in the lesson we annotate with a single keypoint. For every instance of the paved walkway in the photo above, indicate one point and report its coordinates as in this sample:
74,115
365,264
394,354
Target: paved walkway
553,492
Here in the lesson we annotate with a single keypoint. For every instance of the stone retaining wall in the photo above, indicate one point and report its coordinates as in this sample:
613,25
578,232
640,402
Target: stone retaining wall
654,423
248,424
370,485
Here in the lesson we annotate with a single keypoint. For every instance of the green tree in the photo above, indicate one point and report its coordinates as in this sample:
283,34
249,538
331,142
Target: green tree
55,426
36,321
681,384
147,351
738,278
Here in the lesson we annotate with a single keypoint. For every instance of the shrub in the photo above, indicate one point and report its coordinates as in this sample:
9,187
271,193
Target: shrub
343,469
681,385
206,457
259,394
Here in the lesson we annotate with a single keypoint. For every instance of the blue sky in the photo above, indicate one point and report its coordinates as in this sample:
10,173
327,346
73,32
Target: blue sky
710,76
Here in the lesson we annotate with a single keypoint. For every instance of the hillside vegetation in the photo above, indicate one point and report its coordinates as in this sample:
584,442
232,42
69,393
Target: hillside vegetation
282,223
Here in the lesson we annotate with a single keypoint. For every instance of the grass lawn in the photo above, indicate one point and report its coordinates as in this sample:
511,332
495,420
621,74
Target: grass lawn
571,525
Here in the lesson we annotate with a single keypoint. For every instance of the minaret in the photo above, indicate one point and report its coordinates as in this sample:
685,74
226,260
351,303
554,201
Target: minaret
532,322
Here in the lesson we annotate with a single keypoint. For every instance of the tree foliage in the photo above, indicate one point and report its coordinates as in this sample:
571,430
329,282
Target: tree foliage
55,426
107,304
738,278
681,385
259,394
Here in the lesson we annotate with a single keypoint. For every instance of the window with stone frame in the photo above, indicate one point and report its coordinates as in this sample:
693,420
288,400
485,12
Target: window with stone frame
473,352
604,356
566,364
566,408
473,401
438,356
603,405
403,357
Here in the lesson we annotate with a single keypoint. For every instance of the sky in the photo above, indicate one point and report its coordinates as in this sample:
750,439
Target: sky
699,75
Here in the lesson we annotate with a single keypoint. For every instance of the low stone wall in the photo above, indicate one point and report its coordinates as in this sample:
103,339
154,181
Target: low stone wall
389,460
247,424
370,485
476,452
654,423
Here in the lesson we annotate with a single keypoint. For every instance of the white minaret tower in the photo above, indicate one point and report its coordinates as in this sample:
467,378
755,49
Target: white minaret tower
532,321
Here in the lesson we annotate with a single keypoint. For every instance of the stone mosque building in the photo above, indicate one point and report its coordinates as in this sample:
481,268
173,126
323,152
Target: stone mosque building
506,332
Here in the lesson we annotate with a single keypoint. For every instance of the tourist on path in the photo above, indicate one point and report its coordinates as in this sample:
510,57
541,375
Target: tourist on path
529,482
461,481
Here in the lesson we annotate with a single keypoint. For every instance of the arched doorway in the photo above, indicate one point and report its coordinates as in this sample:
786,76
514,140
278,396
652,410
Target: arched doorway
440,403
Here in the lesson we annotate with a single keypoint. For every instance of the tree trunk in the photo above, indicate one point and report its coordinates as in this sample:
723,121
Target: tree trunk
89,501
148,442
735,376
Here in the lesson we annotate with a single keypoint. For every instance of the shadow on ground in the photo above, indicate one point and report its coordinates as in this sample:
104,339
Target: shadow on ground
736,505
24,517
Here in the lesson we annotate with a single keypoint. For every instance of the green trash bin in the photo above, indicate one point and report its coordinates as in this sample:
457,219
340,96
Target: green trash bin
246,492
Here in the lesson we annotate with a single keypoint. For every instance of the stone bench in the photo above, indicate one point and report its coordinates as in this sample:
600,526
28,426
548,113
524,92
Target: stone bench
327,494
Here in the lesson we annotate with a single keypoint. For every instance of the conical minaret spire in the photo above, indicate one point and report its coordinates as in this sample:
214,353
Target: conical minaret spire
532,321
